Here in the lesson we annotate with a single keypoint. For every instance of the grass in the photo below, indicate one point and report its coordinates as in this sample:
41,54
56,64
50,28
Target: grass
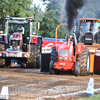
93,97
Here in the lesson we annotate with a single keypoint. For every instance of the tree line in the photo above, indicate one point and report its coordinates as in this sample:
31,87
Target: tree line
49,19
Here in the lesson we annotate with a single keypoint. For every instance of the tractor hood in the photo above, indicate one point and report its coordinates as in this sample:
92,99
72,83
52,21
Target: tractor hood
65,51
16,40
65,45
16,36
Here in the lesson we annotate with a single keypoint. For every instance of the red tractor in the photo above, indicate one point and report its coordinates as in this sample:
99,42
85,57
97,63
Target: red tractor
17,49
70,57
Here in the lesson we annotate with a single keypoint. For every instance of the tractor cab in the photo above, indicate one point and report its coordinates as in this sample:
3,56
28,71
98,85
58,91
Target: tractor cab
87,30
12,25
15,39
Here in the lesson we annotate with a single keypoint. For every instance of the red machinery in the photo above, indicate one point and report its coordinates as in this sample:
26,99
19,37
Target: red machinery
48,43
70,56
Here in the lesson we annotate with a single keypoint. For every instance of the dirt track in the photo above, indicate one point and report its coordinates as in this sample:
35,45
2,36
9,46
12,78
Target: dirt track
31,84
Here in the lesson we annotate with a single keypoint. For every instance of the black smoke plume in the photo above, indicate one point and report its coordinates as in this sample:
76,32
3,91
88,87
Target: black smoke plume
72,8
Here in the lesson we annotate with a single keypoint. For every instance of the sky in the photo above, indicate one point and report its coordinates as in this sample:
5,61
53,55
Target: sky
39,2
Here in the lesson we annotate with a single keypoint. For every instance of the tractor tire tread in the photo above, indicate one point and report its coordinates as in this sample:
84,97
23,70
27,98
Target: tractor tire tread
38,58
82,59
54,58
2,61
31,61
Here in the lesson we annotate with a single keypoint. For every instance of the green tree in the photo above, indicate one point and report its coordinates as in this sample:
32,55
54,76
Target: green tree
52,18
38,17
18,8
15,8
91,9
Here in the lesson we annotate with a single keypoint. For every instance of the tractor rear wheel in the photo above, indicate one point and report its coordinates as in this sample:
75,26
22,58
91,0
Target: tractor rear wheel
84,62
2,61
51,67
31,61
54,58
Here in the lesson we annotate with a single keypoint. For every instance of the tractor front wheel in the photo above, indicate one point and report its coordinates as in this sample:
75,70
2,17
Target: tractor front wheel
39,55
2,61
54,58
76,69
51,67
31,61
